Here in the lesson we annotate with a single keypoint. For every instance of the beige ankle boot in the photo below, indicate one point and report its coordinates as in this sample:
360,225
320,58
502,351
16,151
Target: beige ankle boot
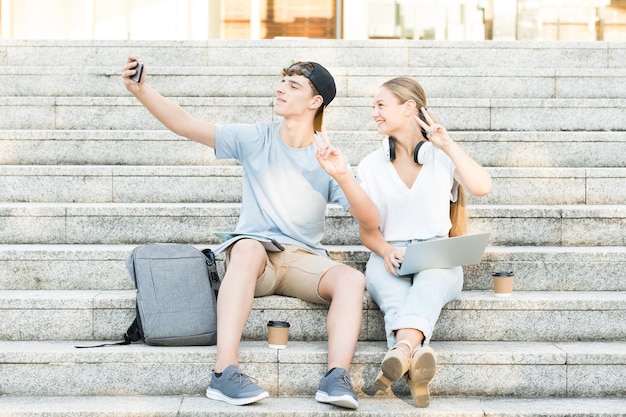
422,369
394,365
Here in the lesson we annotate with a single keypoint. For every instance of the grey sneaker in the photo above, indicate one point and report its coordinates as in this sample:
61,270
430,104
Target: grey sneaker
336,388
235,387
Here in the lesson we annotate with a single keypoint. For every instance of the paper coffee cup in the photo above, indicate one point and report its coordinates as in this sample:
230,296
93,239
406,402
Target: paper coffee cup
277,334
502,283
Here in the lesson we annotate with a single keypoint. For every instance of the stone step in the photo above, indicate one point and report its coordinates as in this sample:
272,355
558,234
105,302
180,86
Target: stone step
474,316
189,406
536,268
161,147
342,114
128,223
470,369
222,184
568,254
80,81
332,53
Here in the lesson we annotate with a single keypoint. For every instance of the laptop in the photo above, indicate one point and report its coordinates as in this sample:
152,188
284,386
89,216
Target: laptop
443,253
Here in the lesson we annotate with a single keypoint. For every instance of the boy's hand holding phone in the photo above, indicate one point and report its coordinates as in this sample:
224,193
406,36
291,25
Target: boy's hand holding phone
139,71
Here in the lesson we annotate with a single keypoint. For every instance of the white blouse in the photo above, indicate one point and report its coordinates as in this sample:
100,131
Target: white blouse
419,212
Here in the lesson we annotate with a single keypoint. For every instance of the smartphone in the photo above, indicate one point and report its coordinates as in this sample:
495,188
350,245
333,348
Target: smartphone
137,76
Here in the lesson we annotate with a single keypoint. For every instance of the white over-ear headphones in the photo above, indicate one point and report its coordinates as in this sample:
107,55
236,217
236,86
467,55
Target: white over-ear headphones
419,153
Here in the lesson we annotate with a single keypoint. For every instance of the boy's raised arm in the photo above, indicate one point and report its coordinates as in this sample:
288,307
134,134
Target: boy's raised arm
170,114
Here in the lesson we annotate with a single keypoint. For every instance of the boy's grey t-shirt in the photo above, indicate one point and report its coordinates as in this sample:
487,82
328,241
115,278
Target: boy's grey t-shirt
285,190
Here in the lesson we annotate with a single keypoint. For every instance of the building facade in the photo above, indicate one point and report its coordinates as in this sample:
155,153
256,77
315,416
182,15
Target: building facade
571,20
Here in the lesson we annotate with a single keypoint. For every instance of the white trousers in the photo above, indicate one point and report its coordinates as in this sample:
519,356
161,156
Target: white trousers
411,301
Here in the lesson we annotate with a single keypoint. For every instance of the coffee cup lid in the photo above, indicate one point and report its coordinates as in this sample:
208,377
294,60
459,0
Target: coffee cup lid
275,323
503,274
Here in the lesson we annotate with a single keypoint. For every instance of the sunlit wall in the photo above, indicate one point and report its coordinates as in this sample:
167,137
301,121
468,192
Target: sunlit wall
579,20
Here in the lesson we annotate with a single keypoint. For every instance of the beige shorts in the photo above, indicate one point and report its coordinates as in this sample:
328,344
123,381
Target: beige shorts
294,272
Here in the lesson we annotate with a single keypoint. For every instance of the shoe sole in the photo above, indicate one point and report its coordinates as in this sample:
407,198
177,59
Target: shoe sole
218,395
420,375
344,401
382,382
391,370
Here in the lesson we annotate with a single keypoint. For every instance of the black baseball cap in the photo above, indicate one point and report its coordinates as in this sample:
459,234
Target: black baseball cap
324,83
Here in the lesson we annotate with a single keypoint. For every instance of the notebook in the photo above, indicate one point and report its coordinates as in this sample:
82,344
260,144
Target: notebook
443,253
231,237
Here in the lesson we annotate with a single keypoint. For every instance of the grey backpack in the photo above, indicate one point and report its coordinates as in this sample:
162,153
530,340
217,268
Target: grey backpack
177,287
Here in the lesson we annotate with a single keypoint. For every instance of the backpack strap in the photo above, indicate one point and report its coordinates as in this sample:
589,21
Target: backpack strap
214,277
133,334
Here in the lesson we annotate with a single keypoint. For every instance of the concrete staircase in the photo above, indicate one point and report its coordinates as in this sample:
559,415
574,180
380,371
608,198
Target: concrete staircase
86,174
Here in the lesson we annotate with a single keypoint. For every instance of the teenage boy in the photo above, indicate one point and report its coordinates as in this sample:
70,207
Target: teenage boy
289,176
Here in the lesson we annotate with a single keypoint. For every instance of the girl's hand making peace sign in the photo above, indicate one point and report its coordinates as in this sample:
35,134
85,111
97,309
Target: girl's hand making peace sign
435,133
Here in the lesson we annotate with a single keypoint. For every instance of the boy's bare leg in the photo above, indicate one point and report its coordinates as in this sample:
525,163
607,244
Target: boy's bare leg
234,304
345,287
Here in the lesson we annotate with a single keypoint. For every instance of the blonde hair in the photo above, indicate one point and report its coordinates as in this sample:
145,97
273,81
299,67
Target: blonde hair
405,89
